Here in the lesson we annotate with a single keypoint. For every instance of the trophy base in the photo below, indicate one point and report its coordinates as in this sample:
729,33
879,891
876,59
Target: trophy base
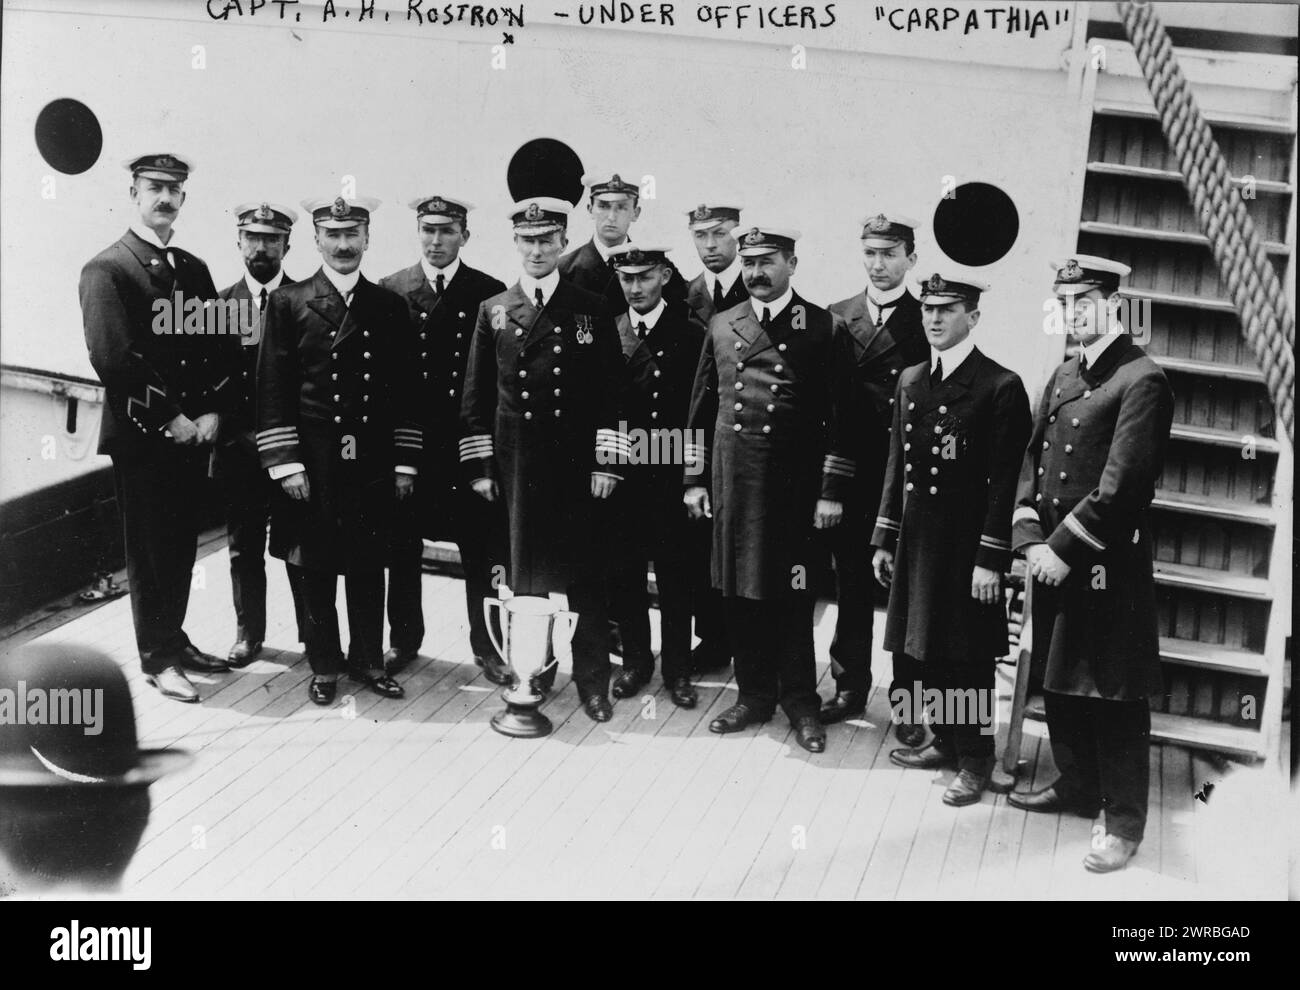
522,722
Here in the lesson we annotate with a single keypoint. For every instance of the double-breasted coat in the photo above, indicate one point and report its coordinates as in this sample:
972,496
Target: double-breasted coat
337,390
127,294
1085,490
700,299
540,415
444,328
587,270
769,404
660,375
945,507
877,356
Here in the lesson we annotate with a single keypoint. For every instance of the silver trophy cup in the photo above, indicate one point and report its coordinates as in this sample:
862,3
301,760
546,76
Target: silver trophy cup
531,627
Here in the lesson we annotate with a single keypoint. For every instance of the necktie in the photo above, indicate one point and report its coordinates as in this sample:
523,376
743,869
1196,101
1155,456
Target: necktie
640,331
1083,362
442,284
538,300
767,318
347,298
880,311
261,301
936,376
717,295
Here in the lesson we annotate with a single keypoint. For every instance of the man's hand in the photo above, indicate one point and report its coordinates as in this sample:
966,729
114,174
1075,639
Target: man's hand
602,485
485,488
827,514
296,487
1045,565
207,426
405,484
883,565
182,430
986,586
697,504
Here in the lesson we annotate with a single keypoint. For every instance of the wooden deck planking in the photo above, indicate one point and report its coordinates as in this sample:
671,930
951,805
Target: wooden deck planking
406,798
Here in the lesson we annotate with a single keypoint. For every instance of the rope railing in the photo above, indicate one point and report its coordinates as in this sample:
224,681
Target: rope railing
1244,266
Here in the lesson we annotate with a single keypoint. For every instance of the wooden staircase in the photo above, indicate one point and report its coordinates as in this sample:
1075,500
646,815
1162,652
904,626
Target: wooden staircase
1222,513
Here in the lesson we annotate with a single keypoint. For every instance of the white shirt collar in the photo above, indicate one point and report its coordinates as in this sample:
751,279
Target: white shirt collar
431,272
147,235
727,276
344,283
953,357
650,319
1092,351
604,251
893,295
255,287
775,307
548,285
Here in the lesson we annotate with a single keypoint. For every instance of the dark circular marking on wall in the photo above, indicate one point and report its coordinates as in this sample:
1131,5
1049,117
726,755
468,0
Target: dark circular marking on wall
68,136
977,225
545,167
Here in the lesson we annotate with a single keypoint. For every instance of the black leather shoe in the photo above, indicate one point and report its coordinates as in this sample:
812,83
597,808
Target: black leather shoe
493,669
629,682
396,660
845,704
910,735
173,684
243,653
322,691
709,657
738,717
930,757
378,681
203,663
808,732
966,788
682,691
598,708
1049,801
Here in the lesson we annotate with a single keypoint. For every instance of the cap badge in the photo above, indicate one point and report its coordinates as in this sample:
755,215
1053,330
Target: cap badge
755,236
879,224
263,212
340,208
534,212
616,180
701,212
1070,272
167,161
634,257
437,205
936,284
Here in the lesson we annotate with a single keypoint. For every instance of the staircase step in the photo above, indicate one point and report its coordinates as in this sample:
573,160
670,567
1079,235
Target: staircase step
1167,175
1184,730
1210,369
1200,505
1239,121
1174,299
1221,438
1213,581
1166,236
1212,656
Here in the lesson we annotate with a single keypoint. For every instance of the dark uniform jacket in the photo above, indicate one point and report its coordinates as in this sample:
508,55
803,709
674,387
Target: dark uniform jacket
660,375
769,404
443,329
1085,489
877,357
240,426
150,378
945,507
540,414
337,389
586,269
700,299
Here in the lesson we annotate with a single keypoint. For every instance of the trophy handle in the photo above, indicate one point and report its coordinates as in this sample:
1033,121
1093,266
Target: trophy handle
566,624
488,605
